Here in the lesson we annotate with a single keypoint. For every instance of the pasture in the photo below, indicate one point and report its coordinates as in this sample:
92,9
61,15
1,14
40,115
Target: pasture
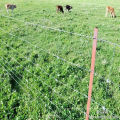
45,60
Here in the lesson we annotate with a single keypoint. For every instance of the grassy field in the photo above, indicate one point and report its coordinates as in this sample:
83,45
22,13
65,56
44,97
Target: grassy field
44,71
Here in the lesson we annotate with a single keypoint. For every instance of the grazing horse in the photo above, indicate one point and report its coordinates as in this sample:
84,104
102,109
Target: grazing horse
59,8
10,6
68,7
110,10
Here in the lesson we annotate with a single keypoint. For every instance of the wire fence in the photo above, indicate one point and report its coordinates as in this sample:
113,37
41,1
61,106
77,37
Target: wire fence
7,66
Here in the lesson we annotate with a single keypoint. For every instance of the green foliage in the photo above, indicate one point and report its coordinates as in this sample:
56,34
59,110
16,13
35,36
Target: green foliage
44,73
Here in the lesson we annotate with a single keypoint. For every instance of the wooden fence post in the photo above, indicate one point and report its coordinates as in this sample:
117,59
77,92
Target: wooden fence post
92,71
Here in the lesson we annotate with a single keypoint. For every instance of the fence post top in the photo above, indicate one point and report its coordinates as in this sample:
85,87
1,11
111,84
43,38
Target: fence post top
96,28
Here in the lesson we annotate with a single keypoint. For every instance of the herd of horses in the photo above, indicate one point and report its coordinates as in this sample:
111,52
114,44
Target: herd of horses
109,9
59,8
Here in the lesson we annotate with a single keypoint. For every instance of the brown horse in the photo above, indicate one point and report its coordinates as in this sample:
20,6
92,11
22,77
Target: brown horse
10,6
59,8
110,10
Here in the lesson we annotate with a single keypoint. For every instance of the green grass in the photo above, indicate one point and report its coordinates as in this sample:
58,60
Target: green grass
36,84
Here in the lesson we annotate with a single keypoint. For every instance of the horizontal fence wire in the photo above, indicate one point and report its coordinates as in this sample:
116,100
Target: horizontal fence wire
57,29
48,86
48,74
77,34
87,96
54,55
47,27
35,99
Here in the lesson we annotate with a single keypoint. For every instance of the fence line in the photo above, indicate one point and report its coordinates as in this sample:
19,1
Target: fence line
44,96
84,95
76,34
92,99
46,27
56,29
62,59
47,84
52,54
73,64
20,84
49,74
111,116
111,43
70,64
